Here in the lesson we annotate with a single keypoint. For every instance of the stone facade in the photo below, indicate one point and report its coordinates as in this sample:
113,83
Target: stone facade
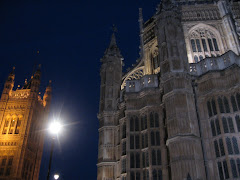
175,114
23,115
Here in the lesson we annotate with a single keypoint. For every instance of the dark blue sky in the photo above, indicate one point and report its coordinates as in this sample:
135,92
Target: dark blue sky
71,36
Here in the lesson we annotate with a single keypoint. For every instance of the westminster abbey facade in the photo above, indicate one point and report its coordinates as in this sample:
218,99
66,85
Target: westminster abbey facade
175,115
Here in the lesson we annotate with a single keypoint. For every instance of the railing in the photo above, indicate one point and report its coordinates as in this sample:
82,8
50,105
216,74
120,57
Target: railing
147,81
214,63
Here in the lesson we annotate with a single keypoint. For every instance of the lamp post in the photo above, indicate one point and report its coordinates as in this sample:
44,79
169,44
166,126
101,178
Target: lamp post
54,129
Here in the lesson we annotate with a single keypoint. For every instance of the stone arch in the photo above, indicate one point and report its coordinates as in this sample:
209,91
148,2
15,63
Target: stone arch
203,31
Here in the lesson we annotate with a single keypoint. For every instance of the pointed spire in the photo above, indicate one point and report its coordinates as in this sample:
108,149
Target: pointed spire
11,76
113,49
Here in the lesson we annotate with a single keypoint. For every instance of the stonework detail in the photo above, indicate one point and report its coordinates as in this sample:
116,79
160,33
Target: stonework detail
23,114
176,114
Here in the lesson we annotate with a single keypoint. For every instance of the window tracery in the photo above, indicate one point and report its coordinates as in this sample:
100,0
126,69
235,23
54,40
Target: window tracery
204,43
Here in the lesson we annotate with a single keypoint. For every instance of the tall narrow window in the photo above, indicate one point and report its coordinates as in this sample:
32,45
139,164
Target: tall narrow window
204,45
220,171
237,122
138,175
18,127
157,138
156,120
151,120
226,105
137,141
220,104
198,45
218,127
215,44
124,130
213,128
225,125
210,44
238,165
131,142
131,124
145,119
143,146
234,169
152,138
201,57
143,160
132,161
209,109
214,107
229,146
154,174
216,149
193,45
146,140
124,148
136,124
159,158
142,123
235,145
234,104
137,160
153,158
221,147
132,175
225,169
147,159
238,100
230,123
195,59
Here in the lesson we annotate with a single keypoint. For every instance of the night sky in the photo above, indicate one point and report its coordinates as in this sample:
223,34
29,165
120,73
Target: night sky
71,37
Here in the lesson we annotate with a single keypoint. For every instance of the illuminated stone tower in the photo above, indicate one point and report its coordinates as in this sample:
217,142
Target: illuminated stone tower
23,114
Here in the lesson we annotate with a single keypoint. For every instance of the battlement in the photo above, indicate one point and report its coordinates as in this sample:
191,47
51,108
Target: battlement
214,63
147,81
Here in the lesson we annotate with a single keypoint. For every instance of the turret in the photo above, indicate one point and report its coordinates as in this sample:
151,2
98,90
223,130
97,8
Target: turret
47,95
35,81
111,76
8,86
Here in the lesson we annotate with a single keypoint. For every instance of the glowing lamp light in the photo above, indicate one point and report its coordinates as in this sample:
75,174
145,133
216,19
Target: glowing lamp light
55,127
56,176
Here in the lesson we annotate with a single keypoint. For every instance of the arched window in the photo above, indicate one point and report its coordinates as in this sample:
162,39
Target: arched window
235,145
153,158
226,105
189,177
201,57
229,146
156,120
193,45
151,120
204,45
195,59
234,169
210,44
220,104
234,104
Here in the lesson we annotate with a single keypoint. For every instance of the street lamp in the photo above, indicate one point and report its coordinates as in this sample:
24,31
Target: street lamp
56,176
54,129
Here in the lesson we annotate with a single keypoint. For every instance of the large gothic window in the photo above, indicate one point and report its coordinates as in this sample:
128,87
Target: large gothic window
204,43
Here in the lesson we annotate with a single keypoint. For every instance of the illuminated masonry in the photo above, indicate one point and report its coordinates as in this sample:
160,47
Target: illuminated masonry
23,114
176,114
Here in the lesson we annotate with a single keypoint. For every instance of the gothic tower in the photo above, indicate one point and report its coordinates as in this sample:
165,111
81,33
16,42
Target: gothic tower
181,119
23,115
111,77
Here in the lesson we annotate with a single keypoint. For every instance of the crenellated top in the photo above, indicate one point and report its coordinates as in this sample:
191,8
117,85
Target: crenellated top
214,63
